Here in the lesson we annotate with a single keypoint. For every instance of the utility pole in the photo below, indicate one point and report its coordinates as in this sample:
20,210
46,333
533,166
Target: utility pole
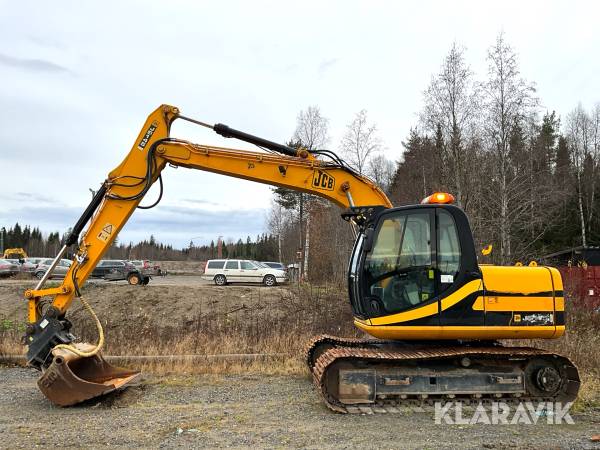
2,233
220,247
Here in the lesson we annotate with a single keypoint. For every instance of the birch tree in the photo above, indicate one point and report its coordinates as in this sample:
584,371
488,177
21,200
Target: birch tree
381,170
508,101
594,159
360,142
312,129
580,137
276,223
451,108
312,133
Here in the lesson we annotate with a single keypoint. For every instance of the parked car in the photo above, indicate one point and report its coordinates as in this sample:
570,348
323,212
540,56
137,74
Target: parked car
31,264
115,270
59,271
275,265
8,269
224,271
147,267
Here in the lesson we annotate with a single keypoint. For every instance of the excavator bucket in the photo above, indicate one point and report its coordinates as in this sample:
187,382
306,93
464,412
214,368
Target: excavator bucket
72,379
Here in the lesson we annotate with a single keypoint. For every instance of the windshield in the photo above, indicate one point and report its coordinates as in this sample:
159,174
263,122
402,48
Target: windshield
399,273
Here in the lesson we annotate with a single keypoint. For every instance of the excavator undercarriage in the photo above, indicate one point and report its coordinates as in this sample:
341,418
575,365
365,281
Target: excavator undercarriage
363,375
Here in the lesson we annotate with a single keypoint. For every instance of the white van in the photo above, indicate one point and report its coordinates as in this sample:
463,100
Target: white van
223,271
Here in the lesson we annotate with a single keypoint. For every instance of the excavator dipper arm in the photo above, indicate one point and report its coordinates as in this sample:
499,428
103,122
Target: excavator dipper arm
126,186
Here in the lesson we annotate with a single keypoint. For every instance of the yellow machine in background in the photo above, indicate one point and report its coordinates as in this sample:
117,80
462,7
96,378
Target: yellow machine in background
17,253
413,279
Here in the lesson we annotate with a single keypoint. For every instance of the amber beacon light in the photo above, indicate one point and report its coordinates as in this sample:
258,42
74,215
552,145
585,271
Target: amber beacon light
438,197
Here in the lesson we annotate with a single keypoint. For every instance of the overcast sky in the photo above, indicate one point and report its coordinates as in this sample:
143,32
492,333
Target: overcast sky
77,80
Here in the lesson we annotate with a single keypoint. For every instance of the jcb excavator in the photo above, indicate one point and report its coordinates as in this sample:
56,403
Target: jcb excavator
15,253
414,285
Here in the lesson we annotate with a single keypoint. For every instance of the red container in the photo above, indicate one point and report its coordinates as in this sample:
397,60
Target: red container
582,284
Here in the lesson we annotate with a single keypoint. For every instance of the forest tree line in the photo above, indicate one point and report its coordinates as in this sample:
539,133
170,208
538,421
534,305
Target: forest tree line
35,243
528,177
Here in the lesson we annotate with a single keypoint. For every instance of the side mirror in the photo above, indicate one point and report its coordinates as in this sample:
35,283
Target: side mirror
487,250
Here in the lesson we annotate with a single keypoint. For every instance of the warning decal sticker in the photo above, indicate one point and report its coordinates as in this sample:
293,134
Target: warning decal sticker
106,232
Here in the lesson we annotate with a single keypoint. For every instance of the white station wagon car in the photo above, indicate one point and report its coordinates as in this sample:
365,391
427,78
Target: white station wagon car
223,271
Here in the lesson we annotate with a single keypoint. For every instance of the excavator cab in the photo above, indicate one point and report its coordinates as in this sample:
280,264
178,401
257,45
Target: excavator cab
408,259
414,275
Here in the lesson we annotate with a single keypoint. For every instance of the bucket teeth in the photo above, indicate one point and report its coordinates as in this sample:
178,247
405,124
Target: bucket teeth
72,379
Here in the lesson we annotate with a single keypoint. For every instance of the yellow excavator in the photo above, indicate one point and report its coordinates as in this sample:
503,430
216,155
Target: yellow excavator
17,253
435,315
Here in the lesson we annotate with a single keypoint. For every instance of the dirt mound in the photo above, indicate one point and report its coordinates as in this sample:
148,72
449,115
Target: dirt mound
165,302
182,267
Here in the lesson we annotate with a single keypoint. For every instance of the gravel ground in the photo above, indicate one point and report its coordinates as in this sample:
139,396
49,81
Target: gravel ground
245,412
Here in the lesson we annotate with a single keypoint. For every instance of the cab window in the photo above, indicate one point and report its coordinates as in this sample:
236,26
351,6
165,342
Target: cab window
448,250
399,269
247,265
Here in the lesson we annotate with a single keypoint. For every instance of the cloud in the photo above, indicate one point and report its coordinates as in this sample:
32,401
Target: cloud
291,68
169,224
33,65
201,202
33,197
46,42
201,221
326,64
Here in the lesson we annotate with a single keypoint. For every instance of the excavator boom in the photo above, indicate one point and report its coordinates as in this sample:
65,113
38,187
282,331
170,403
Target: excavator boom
72,374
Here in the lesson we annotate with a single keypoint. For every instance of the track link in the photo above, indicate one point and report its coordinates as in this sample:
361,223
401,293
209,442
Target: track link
328,357
321,343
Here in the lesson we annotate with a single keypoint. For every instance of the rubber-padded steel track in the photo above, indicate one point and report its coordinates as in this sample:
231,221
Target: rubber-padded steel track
325,353
319,344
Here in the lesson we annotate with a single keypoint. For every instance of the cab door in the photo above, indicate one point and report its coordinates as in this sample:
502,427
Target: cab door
458,282
399,277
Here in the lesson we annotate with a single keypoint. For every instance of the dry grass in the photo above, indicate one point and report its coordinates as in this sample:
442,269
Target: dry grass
10,336
279,334
581,344
22,276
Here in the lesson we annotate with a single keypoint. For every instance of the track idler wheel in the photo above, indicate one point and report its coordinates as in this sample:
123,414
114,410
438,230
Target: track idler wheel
544,377
548,379
72,379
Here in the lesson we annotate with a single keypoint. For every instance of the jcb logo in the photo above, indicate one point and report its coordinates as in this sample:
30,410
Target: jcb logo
48,379
147,135
322,180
